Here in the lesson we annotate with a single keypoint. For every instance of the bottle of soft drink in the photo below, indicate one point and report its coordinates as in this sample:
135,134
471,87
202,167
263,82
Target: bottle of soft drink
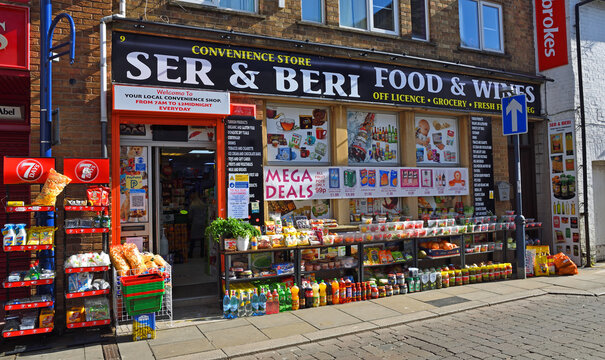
249,303
288,298
343,291
241,308
227,305
255,303
358,292
323,296
363,291
329,299
269,309
335,292
368,290
309,296
275,302
234,304
301,296
315,289
262,303
295,300
282,298
349,290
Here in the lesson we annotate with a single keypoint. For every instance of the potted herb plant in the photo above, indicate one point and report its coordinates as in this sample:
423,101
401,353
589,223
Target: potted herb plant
229,229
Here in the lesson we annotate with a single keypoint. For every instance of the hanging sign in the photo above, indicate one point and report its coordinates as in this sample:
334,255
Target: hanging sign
304,183
87,171
26,170
163,61
566,231
551,33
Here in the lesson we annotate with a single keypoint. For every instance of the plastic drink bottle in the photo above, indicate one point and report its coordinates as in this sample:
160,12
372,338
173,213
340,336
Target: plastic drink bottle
363,291
288,295
227,306
248,303
343,291
335,292
309,296
329,300
269,308
301,296
295,300
255,303
234,304
241,308
368,290
275,302
21,238
262,303
349,290
358,292
282,299
315,288
323,298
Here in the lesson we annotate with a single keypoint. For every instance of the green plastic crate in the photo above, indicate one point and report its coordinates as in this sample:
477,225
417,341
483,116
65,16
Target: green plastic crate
143,304
141,283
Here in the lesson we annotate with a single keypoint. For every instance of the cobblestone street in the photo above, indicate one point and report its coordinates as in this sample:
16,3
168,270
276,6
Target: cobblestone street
544,327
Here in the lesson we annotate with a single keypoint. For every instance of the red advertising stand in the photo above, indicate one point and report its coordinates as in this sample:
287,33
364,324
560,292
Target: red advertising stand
23,276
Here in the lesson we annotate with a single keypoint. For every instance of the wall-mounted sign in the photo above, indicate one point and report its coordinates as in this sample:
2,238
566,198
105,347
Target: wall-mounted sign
11,112
436,141
238,195
14,37
87,171
26,170
551,33
151,60
140,98
298,183
483,165
373,138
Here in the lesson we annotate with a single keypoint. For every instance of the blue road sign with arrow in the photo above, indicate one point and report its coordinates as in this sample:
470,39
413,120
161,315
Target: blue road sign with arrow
514,115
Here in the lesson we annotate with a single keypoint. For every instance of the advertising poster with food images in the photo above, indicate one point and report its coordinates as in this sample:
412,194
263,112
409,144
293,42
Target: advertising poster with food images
298,134
297,183
387,205
436,140
311,209
134,197
566,230
373,138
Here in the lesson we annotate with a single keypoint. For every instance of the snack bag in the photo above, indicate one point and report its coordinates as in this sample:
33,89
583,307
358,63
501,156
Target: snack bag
54,185
116,254
132,255
541,265
530,259
95,195
75,314
47,235
564,265
33,235
47,318
159,261
551,264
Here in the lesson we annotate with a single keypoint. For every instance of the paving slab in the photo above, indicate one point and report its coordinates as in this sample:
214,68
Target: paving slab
281,331
529,284
515,296
206,355
428,295
573,283
223,324
177,348
259,346
497,287
561,290
367,310
454,308
457,290
56,354
403,304
169,336
478,295
94,352
281,319
340,331
247,334
135,350
326,317
403,319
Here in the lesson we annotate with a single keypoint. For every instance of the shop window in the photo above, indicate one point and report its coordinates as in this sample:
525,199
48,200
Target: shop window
311,209
436,141
298,134
481,25
312,10
372,15
238,5
373,138
420,19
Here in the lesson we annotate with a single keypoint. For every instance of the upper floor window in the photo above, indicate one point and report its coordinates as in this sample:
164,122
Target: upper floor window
312,10
481,25
373,15
420,19
239,5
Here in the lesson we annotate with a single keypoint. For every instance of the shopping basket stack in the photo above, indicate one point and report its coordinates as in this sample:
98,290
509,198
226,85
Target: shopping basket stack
143,294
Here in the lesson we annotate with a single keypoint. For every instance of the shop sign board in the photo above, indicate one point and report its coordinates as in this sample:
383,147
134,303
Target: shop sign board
243,152
14,37
169,100
238,196
551,33
87,171
17,170
483,165
163,61
11,112
342,182
564,200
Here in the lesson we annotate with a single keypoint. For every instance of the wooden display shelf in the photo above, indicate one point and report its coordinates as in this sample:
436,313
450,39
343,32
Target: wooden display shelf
86,230
28,208
260,278
86,269
85,208
32,305
16,333
88,324
87,293
28,247
14,284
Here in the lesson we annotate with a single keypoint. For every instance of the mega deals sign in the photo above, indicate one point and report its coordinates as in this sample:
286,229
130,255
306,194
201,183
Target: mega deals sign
162,61
551,33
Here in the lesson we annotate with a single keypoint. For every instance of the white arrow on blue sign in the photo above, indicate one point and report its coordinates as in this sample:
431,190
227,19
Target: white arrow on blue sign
514,115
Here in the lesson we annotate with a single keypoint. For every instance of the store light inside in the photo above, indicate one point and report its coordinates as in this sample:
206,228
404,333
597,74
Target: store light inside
201,152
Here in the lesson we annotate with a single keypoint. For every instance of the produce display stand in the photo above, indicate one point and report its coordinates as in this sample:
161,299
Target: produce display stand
295,255
37,176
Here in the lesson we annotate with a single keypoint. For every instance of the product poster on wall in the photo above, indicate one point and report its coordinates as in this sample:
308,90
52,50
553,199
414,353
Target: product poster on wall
312,209
298,134
133,184
566,233
297,183
238,196
436,140
366,206
373,138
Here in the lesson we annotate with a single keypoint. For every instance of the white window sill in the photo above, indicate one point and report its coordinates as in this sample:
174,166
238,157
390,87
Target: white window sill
196,5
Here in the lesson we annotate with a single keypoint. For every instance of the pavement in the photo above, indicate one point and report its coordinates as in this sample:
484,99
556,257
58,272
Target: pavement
216,339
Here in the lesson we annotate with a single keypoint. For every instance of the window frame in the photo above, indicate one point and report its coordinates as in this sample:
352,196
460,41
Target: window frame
426,23
322,9
215,4
370,19
480,5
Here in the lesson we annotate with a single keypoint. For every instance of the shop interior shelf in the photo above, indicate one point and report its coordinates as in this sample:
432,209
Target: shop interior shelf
28,208
14,284
86,230
86,269
259,278
88,324
327,270
381,265
85,208
16,333
480,252
86,293
440,257
28,247
31,305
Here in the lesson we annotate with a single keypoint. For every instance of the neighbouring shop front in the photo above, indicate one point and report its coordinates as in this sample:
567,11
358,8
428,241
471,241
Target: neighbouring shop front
203,129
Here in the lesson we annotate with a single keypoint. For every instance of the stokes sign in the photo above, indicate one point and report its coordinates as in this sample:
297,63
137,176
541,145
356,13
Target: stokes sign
26,170
87,171
551,33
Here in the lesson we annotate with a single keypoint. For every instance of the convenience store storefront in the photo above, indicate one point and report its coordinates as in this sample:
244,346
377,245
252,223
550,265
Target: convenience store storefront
423,137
